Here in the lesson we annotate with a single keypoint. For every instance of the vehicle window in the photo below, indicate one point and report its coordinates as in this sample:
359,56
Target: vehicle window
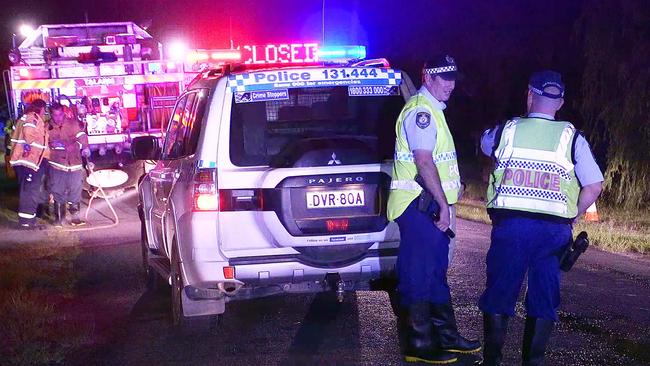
173,127
177,132
192,140
261,130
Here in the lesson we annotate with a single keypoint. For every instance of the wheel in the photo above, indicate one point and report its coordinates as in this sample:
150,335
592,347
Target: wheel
151,278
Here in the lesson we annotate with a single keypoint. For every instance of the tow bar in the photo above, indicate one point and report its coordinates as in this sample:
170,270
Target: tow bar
334,281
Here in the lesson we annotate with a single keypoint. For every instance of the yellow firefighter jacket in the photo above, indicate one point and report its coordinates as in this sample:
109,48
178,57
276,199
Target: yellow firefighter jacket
30,142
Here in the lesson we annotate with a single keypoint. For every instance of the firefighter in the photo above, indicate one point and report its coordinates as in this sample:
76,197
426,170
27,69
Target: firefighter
545,176
68,142
425,146
29,156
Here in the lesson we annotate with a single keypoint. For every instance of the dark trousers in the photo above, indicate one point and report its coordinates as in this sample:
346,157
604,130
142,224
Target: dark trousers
65,186
32,192
422,260
521,245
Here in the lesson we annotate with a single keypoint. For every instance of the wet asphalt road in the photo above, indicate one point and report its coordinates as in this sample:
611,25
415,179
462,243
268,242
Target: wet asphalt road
605,313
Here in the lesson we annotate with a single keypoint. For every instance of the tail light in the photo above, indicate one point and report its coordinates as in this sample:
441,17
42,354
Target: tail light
229,272
206,196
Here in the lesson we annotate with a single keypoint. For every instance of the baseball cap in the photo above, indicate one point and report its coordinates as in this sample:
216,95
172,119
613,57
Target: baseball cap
541,80
443,66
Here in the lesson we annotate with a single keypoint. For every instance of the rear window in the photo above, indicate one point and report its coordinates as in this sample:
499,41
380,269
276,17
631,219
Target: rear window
263,129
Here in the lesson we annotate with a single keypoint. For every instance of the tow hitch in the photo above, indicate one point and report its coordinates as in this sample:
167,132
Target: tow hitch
334,281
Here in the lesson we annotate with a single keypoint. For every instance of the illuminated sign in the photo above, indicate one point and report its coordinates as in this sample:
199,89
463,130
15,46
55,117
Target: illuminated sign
285,53
99,81
321,77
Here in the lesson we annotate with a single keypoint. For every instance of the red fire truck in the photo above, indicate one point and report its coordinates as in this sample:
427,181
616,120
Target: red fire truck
114,75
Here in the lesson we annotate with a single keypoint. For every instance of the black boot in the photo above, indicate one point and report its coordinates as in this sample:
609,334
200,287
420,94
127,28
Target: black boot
59,214
495,328
420,344
74,212
444,321
43,211
536,335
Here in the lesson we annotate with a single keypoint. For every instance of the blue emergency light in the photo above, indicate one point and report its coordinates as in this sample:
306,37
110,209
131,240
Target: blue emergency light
341,53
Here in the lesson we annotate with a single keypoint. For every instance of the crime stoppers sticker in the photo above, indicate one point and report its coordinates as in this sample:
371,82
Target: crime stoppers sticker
262,95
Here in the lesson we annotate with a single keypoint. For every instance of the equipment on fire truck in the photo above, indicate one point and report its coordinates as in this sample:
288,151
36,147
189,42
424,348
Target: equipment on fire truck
107,72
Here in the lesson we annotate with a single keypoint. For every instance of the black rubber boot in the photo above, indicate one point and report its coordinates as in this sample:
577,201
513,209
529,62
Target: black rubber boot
43,211
59,214
444,321
536,335
495,328
74,212
420,343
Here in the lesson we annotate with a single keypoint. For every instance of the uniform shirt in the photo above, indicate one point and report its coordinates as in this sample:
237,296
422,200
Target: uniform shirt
421,138
586,168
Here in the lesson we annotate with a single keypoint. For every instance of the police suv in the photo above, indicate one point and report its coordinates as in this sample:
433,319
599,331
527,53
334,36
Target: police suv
272,179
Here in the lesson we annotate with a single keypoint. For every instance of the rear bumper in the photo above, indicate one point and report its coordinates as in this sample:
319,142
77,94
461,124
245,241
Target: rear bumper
268,275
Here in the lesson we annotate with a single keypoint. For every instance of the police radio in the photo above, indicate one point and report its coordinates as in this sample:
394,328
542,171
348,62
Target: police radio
428,205
573,250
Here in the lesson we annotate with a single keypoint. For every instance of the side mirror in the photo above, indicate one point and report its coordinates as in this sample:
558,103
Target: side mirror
145,148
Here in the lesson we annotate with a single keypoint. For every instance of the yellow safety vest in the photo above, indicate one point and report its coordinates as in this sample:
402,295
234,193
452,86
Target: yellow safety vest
404,189
534,169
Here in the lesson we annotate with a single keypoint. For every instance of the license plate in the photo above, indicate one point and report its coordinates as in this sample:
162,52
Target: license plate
335,199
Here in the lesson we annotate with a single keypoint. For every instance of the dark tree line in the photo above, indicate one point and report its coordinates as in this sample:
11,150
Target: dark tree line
614,102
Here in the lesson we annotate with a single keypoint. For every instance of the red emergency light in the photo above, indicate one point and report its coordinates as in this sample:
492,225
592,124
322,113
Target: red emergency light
224,55
273,54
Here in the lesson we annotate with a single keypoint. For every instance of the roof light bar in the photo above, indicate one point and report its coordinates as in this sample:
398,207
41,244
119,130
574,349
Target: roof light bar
217,55
341,53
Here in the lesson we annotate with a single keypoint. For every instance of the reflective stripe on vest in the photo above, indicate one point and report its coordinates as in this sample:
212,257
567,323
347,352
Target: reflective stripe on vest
67,168
411,185
537,178
37,145
404,189
23,162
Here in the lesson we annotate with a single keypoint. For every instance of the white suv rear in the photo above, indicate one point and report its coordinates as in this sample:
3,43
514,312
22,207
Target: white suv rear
271,181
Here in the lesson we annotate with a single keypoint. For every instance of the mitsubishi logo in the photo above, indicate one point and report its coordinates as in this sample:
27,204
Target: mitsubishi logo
334,160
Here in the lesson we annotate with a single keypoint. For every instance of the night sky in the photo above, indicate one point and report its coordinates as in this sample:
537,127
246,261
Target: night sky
496,43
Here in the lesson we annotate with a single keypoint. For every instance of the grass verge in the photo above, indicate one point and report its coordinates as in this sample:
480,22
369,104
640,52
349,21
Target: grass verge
618,230
36,283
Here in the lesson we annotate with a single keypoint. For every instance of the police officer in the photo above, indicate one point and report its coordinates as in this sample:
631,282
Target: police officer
545,177
29,156
425,146
68,142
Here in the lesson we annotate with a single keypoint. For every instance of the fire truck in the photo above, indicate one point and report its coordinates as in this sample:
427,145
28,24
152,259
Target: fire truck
114,75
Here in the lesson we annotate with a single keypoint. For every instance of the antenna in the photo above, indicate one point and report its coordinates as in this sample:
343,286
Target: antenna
86,18
232,46
323,23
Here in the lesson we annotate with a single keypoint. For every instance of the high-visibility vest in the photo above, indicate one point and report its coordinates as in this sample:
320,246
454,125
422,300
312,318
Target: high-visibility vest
534,169
66,142
403,188
30,142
